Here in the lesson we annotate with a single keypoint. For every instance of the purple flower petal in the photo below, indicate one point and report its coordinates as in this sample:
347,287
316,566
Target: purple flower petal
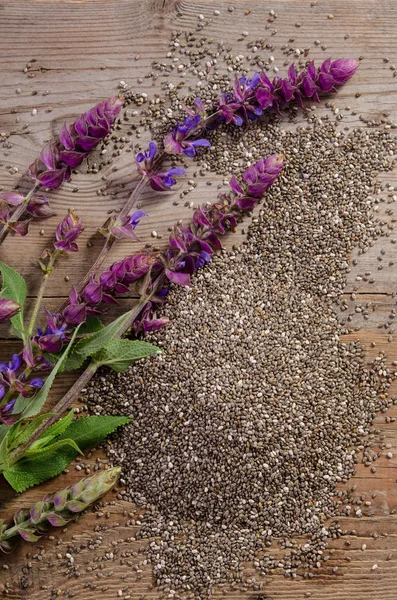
75,314
39,207
93,293
8,308
179,278
20,227
171,145
53,179
12,198
152,150
201,142
245,203
37,382
51,343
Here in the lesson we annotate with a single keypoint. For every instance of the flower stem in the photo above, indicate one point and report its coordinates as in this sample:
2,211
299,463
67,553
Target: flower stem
18,212
110,239
40,293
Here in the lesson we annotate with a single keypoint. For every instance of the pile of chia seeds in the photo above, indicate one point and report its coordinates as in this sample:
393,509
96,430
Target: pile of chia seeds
256,410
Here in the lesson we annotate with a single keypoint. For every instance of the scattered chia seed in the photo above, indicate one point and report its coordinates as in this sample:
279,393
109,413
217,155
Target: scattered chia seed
256,410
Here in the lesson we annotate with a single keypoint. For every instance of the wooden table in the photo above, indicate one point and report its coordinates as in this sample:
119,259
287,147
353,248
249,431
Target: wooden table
78,52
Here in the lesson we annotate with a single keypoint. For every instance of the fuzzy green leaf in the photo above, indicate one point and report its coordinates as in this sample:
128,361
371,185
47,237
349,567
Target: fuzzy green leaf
4,429
91,325
20,432
39,399
59,426
89,431
95,342
55,446
120,354
33,470
14,288
85,432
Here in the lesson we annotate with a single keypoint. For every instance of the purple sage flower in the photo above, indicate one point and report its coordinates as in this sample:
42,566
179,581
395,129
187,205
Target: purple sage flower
176,142
75,142
198,109
162,182
337,72
7,417
159,182
124,227
39,207
67,232
148,322
257,179
76,312
147,158
8,308
12,198
52,337
241,101
48,170
11,378
90,128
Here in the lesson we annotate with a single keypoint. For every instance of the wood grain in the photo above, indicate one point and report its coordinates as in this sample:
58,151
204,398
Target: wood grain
82,49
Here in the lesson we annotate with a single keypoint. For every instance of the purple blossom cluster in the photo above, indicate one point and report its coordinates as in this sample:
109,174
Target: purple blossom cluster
55,162
38,206
8,309
251,97
177,140
75,142
15,378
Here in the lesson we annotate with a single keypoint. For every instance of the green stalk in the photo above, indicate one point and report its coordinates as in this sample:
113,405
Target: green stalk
47,272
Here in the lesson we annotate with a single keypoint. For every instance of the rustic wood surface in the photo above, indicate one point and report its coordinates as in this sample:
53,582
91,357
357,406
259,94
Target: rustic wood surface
81,51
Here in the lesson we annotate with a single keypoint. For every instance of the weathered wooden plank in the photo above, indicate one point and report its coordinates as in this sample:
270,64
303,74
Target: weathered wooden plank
86,48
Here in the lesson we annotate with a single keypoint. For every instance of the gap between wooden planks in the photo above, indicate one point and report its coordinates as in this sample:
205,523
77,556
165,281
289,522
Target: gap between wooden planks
73,40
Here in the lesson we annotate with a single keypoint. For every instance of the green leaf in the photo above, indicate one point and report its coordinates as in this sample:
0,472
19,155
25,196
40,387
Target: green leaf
14,288
120,354
55,446
91,325
89,431
39,399
95,342
4,431
31,471
84,432
74,361
20,432
53,431
59,426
